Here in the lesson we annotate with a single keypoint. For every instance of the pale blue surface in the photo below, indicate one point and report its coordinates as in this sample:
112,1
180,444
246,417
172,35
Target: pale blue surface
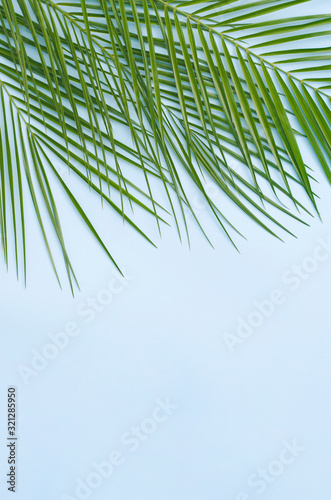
163,336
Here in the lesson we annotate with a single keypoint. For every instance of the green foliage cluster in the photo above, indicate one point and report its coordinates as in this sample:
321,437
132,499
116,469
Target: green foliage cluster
200,86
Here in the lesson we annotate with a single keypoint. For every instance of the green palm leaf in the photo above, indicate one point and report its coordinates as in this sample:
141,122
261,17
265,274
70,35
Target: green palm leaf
199,86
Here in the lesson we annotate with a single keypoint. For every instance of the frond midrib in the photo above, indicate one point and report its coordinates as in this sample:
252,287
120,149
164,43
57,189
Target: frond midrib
236,43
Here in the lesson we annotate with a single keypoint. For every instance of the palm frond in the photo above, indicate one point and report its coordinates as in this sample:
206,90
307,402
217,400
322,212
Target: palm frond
197,85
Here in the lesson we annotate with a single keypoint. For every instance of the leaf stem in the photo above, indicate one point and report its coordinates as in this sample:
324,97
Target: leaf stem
235,42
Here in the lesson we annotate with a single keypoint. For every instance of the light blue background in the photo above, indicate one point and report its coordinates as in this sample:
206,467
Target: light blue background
163,336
